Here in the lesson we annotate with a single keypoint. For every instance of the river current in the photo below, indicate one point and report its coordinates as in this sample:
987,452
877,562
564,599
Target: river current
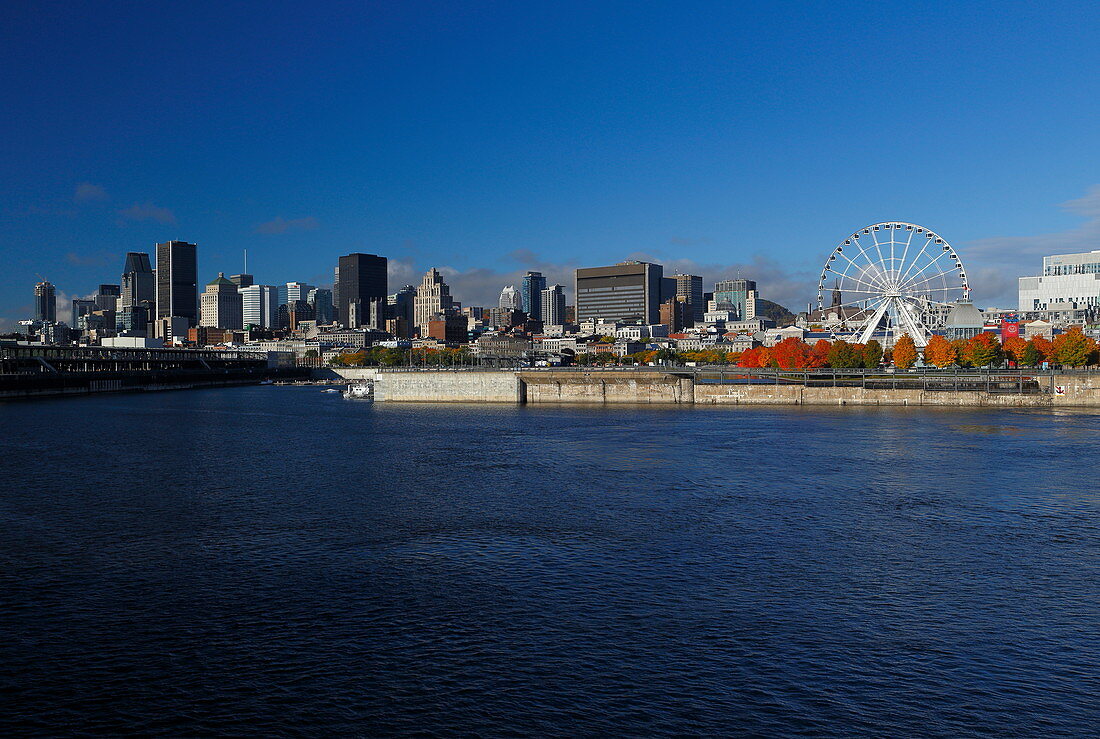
274,561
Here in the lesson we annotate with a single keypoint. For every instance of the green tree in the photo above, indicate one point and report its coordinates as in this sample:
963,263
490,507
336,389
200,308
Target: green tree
983,350
1031,356
843,355
872,354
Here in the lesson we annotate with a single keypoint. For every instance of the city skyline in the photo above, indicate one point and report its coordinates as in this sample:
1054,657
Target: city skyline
730,140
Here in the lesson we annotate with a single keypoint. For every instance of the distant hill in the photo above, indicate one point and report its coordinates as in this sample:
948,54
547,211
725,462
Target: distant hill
774,311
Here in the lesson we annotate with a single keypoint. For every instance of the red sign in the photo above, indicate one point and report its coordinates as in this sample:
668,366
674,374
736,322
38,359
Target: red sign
1009,330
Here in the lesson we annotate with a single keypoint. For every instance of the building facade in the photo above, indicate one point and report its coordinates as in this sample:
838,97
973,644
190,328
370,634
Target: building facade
45,302
259,305
530,293
740,297
177,281
321,300
510,299
1069,282
222,305
689,289
552,305
360,278
628,291
433,298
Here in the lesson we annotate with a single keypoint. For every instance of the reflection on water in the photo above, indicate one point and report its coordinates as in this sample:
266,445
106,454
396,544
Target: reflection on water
271,561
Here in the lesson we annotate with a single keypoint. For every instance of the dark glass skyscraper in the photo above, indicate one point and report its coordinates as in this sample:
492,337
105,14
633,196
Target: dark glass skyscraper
45,302
138,287
360,278
530,295
177,281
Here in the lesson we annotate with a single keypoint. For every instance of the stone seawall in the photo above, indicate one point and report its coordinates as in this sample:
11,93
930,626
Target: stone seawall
680,388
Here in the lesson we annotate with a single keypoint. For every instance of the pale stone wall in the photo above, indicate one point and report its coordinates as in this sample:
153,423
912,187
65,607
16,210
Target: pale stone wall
448,387
607,387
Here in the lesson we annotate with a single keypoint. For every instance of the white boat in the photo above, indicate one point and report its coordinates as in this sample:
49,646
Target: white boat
360,391
330,390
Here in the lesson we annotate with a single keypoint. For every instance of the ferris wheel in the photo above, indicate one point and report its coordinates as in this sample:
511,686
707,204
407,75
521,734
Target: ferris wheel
890,278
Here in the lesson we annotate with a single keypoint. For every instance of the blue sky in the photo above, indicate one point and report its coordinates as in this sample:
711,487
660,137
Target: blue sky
491,137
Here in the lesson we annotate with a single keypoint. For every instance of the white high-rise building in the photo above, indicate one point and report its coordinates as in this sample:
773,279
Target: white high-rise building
553,305
433,298
261,305
510,299
1069,282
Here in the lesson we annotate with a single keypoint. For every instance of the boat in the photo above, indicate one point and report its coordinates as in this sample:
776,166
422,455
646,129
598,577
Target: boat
330,390
360,391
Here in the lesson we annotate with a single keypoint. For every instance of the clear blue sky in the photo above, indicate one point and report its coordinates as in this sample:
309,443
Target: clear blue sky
488,137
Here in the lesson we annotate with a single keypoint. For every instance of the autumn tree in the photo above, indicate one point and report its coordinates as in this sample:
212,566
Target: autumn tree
1031,356
1073,348
793,353
1014,349
758,356
872,354
843,355
821,353
905,352
961,357
1044,346
939,352
983,350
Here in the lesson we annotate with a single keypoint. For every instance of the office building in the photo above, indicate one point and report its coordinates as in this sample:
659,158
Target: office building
530,292
292,291
81,307
177,281
259,305
107,296
242,280
321,300
1069,282
673,312
552,305
433,299
45,302
628,292
138,286
400,315
689,289
222,306
510,299
360,278
737,296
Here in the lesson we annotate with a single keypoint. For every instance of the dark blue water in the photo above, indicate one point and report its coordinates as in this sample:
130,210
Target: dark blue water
272,561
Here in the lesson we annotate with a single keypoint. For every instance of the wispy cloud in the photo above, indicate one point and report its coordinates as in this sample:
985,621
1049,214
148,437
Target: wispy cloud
280,225
147,212
99,259
994,263
86,192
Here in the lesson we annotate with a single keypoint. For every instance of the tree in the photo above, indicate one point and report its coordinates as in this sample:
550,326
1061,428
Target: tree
1031,355
1014,349
758,356
961,357
939,352
983,350
792,353
1044,346
821,352
872,354
843,355
1073,348
905,352
667,355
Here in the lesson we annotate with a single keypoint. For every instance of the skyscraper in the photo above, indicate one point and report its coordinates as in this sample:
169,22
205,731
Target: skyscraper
552,301
177,281
360,278
530,292
740,295
292,291
138,285
689,289
510,299
321,300
400,311
628,291
106,297
260,305
45,302
222,305
433,298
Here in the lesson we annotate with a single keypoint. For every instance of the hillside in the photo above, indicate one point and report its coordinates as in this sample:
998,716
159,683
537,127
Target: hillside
774,311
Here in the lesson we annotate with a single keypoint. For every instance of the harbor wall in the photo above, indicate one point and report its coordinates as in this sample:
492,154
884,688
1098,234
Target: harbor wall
597,387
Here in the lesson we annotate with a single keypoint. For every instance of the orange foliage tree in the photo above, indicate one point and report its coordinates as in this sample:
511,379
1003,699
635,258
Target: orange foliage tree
905,352
983,350
939,352
758,356
792,353
821,353
1072,348
1014,348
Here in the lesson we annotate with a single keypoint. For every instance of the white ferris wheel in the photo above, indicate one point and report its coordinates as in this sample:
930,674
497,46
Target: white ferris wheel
890,279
